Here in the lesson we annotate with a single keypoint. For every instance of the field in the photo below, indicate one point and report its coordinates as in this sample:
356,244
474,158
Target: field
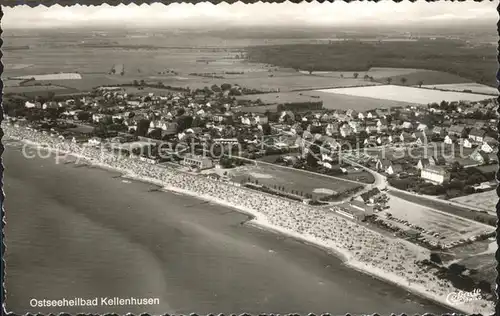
292,179
474,87
485,200
408,94
33,91
46,77
451,227
330,100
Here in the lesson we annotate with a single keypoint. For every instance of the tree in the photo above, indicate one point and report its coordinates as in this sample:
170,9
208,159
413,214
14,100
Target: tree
366,77
142,127
84,116
135,83
435,258
388,80
266,129
355,75
420,83
403,80
225,86
342,76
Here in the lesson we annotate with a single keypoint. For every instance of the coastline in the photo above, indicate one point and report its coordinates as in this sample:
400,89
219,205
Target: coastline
260,220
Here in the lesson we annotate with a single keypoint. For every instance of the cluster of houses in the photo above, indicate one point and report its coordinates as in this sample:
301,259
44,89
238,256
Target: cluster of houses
216,117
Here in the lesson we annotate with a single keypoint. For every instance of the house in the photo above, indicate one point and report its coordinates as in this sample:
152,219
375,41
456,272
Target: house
384,140
361,116
425,162
465,142
199,162
351,113
477,135
405,137
422,127
450,139
435,174
355,126
394,169
458,130
439,130
407,125
383,164
489,146
346,130
480,156
371,129
332,129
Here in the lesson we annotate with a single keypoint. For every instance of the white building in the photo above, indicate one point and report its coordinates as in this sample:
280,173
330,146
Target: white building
199,161
435,174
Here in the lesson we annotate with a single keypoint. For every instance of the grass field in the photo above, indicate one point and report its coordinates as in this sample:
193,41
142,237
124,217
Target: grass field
33,91
291,179
474,87
408,94
330,100
427,77
484,200
451,227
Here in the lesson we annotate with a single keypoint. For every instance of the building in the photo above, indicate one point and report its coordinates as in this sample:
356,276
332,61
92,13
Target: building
435,174
226,141
457,130
199,162
394,169
425,162
477,135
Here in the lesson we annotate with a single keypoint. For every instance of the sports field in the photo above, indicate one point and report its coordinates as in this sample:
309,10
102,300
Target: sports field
292,179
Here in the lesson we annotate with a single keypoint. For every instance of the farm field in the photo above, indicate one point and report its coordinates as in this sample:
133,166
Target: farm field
408,94
484,200
55,76
292,179
426,77
451,227
330,100
32,91
474,87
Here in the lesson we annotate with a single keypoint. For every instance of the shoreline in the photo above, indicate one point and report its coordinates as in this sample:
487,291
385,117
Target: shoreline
261,221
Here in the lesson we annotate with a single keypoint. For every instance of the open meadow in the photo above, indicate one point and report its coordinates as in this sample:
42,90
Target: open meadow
330,100
460,87
408,94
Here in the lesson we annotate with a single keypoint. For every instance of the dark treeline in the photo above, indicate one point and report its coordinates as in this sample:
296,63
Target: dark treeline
478,64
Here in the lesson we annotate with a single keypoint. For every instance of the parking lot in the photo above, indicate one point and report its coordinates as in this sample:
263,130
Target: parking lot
435,228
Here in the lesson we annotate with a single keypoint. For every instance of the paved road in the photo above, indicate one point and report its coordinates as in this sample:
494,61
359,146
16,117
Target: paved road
79,232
